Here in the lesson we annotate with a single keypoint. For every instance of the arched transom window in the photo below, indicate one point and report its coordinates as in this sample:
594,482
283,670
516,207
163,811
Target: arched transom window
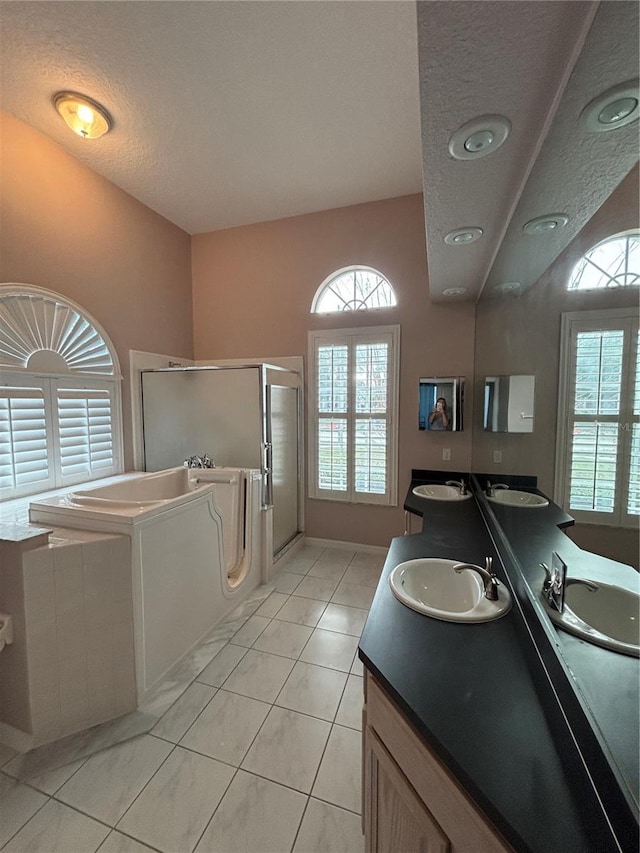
614,262
353,289
60,410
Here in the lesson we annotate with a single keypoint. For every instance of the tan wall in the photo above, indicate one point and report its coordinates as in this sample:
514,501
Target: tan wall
252,293
522,335
68,229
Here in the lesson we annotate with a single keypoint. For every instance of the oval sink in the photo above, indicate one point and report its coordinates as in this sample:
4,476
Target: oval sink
438,492
512,497
432,587
602,614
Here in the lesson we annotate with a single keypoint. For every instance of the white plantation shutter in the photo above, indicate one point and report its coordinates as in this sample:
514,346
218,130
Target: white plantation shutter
85,428
24,462
599,444
353,435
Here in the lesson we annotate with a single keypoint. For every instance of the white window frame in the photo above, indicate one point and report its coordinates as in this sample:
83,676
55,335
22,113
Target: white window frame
44,331
572,324
351,337
353,268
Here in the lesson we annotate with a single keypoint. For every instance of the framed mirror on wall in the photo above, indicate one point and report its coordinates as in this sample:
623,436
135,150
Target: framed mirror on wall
440,403
508,403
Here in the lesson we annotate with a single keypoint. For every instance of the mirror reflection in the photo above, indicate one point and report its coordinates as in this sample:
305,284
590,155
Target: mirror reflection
440,403
508,403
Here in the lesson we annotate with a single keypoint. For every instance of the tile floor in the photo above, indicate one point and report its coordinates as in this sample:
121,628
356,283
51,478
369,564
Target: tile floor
260,754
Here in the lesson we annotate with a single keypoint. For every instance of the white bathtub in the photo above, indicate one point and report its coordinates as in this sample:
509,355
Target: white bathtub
196,551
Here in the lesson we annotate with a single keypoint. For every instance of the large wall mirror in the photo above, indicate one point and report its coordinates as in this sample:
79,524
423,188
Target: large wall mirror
518,328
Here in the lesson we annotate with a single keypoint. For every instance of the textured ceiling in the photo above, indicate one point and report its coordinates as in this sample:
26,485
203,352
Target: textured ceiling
227,113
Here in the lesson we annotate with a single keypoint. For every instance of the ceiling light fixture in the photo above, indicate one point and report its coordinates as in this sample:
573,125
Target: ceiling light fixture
83,115
479,137
454,291
463,236
612,109
545,224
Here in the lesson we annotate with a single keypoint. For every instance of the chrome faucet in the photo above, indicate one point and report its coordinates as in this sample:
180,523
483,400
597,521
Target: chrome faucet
462,486
199,462
487,574
555,582
491,489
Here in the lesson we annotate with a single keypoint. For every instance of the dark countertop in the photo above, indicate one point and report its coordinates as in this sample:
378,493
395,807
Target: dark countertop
478,695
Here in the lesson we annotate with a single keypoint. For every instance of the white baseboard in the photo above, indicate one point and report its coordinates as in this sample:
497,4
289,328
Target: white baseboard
16,738
290,548
336,543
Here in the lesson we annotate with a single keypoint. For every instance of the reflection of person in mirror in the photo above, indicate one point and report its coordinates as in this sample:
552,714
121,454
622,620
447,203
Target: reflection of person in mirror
439,417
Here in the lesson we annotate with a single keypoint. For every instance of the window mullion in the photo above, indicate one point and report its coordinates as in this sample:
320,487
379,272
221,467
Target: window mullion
351,420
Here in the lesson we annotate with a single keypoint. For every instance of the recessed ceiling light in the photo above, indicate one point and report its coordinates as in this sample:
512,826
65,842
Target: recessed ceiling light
454,291
463,236
545,224
508,287
612,109
83,115
479,137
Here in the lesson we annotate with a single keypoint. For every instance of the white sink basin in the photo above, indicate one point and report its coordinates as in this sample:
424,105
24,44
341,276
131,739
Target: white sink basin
432,587
438,492
512,497
606,615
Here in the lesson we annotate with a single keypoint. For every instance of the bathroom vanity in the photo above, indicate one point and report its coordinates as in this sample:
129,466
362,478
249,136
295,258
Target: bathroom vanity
466,745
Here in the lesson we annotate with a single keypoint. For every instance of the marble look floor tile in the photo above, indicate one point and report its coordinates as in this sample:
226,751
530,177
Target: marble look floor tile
182,714
174,808
336,556
250,631
301,611
255,816
313,690
226,727
350,710
107,784
363,575
328,648
328,829
353,595
50,782
18,803
325,569
369,561
259,675
319,588
301,561
116,842
345,620
283,638
56,828
222,665
286,582
62,752
6,754
356,666
271,605
338,779
288,748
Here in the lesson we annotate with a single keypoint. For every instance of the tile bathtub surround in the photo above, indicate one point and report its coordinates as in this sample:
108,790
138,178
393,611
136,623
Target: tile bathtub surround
260,751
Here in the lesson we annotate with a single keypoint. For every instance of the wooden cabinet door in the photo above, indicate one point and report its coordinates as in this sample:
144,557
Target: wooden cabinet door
396,819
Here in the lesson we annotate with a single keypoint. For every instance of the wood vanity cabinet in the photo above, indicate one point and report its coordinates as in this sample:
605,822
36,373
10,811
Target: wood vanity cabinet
411,802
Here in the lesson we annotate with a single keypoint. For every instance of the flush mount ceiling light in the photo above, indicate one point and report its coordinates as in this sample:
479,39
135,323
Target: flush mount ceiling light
479,137
508,287
545,224
463,236
454,291
612,109
83,115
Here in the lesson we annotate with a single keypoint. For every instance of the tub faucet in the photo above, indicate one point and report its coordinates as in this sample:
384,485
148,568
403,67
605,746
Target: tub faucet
491,489
487,574
199,462
462,486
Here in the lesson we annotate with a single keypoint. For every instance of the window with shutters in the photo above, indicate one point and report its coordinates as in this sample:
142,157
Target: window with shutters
353,416
60,421
598,471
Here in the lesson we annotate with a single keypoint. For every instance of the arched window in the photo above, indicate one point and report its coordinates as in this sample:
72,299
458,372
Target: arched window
614,262
353,289
60,409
